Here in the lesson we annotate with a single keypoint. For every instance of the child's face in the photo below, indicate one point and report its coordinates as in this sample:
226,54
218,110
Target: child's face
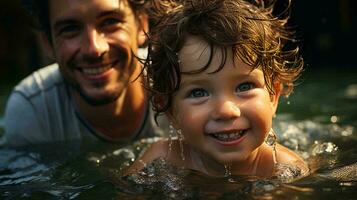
225,115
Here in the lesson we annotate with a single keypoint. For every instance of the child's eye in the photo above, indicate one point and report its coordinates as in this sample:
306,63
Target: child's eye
197,93
245,87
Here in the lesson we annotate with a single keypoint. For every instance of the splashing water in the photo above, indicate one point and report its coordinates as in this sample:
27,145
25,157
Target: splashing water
227,171
181,140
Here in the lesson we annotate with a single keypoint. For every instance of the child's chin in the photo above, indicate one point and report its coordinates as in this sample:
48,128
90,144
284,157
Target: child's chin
230,159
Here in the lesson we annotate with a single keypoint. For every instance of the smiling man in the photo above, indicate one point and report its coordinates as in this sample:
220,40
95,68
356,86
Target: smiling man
94,90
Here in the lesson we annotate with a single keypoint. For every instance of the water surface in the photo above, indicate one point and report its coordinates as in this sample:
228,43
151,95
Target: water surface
318,121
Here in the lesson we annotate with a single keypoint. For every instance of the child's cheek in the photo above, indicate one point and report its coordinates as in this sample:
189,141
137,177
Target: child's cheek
192,117
260,113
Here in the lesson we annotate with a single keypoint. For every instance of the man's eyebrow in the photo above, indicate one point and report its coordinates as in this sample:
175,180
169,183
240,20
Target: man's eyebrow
118,12
62,22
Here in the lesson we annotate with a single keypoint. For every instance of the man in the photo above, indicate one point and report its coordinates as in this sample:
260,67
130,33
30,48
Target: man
94,90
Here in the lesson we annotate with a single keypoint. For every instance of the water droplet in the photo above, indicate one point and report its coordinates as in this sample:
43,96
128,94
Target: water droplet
171,133
227,171
181,138
271,138
334,119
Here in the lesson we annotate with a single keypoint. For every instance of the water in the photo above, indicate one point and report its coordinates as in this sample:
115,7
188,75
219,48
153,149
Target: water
318,121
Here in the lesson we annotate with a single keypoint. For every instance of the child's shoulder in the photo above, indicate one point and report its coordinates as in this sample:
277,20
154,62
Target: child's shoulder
170,149
289,157
156,150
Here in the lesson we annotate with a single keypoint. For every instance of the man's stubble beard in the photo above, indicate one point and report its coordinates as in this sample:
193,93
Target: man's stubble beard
95,101
123,82
100,101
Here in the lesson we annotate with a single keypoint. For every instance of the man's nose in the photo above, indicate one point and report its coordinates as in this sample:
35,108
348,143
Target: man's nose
226,110
94,44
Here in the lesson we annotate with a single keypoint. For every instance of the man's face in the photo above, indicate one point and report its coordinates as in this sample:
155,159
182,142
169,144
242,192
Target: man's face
93,41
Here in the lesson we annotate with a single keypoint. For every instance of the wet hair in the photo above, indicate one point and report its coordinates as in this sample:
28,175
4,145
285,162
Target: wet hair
39,11
248,28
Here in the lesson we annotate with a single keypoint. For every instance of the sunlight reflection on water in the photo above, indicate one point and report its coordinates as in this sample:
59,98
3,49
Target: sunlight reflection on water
351,91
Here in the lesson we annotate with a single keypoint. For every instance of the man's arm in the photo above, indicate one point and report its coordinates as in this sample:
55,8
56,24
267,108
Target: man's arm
21,122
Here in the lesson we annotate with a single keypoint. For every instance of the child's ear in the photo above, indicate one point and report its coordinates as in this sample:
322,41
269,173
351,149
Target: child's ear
172,119
160,101
274,98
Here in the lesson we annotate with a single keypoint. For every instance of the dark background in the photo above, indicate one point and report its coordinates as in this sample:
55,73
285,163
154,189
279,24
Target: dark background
328,29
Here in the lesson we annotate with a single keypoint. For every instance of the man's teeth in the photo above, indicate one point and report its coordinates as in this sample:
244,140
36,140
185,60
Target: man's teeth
228,136
95,71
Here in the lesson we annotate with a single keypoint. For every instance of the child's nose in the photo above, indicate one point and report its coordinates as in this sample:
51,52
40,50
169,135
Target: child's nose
226,110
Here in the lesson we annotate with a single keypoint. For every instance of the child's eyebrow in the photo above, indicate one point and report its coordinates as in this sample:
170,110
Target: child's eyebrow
204,81
185,83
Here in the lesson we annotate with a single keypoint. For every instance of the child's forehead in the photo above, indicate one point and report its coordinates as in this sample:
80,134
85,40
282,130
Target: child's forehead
194,42
197,53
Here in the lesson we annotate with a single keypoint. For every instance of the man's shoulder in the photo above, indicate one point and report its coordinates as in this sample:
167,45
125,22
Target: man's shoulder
41,80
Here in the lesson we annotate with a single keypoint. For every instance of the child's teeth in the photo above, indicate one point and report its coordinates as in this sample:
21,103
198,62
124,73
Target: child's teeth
228,137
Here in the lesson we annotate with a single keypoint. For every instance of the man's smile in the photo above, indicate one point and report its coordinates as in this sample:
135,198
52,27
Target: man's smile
98,70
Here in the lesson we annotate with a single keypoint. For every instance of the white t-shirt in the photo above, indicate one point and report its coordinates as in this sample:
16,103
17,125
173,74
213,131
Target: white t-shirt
40,109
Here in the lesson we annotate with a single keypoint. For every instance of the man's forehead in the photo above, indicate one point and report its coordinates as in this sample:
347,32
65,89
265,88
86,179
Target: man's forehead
70,4
88,1
66,8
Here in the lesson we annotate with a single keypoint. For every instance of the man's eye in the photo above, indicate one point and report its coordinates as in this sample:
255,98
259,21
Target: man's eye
245,87
68,30
108,22
197,93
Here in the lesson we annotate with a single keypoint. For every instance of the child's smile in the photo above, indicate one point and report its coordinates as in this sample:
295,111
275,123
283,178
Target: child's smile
229,137
225,115
216,69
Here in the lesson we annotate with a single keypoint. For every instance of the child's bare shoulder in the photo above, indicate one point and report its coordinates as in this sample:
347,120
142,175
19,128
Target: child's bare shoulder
156,150
287,156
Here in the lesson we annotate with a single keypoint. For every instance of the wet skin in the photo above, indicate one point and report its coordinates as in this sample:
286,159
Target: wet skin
224,116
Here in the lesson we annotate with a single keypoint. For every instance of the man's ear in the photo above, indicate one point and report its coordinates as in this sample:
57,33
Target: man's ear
143,28
274,98
46,45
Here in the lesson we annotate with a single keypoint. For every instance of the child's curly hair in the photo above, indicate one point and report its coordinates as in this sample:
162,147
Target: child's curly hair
248,28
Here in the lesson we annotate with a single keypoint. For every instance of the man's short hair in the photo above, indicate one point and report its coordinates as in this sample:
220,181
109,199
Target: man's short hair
39,12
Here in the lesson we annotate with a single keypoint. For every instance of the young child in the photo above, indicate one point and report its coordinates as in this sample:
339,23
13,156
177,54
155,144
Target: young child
217,69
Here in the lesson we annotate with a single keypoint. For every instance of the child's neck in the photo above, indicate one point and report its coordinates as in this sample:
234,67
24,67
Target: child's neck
206,165
259,163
